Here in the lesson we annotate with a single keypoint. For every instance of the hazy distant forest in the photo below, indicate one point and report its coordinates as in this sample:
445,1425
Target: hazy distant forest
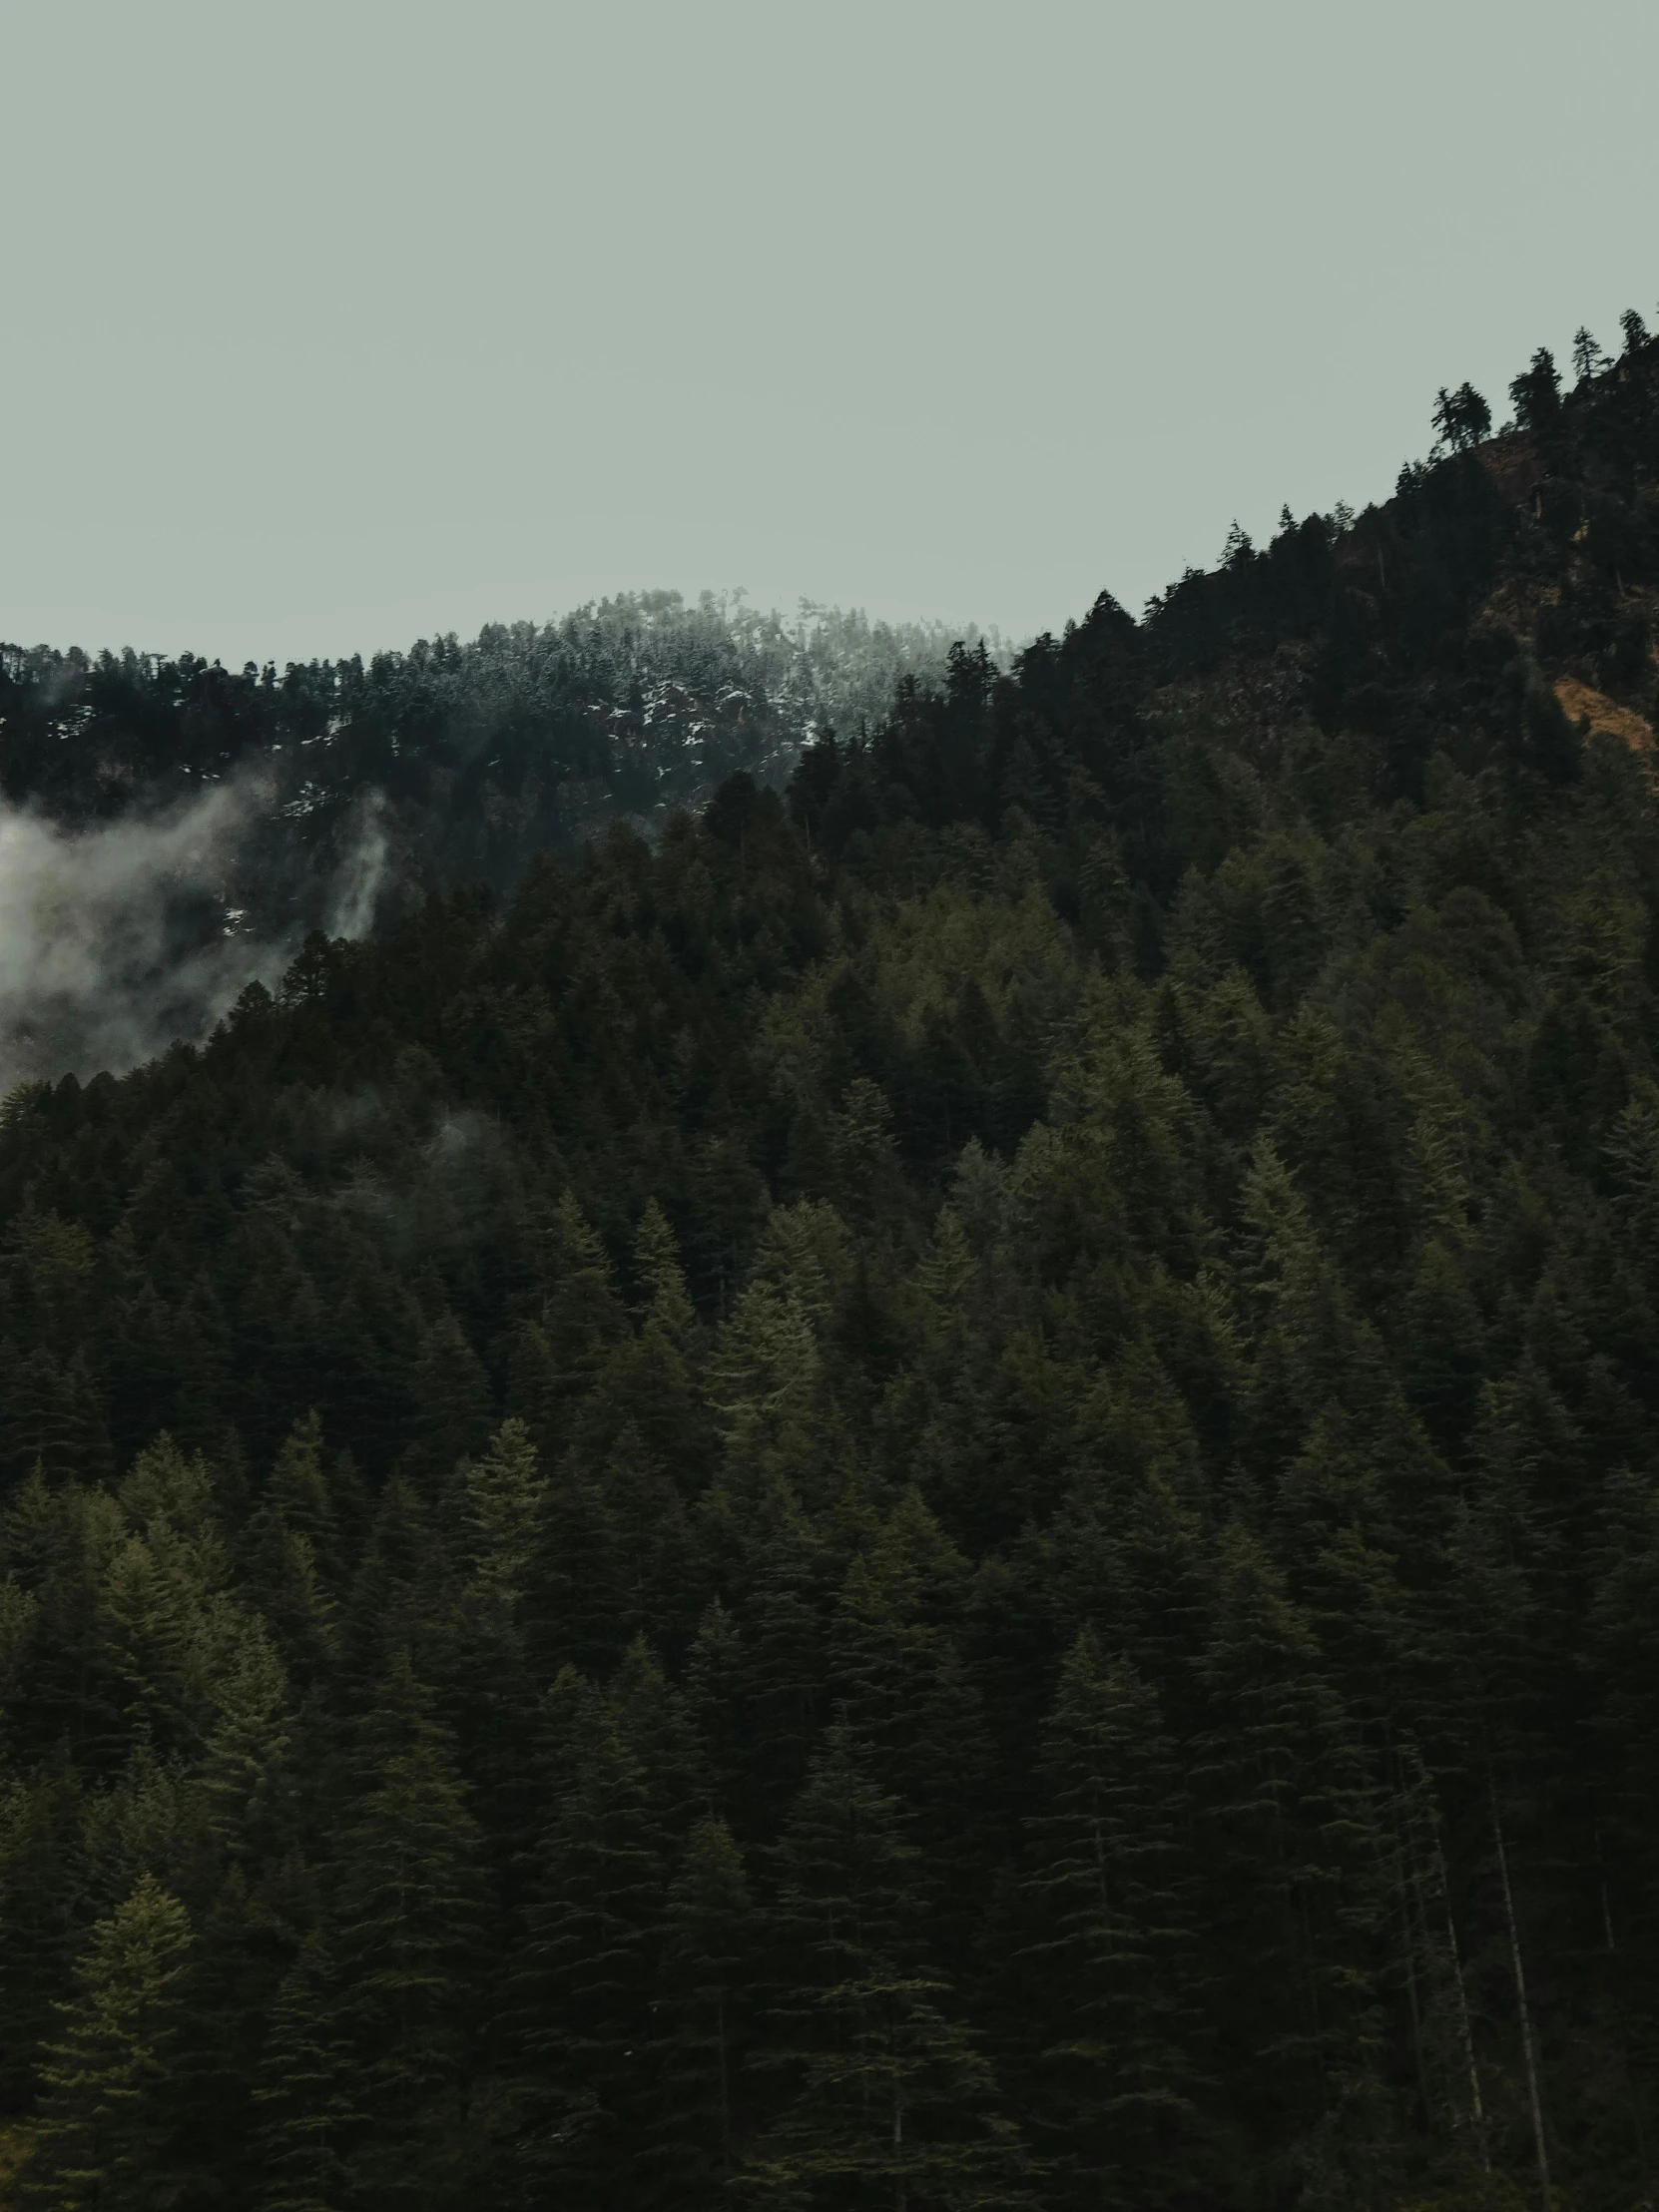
939,1489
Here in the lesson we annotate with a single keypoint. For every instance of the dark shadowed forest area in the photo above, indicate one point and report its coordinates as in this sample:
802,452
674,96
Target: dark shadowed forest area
940,1491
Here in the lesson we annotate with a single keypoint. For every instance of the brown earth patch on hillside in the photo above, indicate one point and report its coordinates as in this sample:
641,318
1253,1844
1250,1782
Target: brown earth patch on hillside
1603,713
1512,464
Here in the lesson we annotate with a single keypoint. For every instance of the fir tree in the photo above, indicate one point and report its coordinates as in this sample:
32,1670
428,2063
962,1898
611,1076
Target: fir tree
406,1915
1283,1794
711,1954
309,2073
596,1929
110,2118
452,1401
890,2094
584,1318
1111,1890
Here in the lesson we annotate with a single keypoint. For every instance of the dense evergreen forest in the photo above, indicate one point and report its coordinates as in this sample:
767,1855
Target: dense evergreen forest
942,1492
525,740
186,827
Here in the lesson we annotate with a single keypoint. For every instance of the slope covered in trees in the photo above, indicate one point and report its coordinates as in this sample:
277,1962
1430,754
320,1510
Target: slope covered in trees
944,1494
524,740
175,831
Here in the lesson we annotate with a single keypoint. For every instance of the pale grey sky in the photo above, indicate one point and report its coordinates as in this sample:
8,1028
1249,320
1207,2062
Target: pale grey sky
335,322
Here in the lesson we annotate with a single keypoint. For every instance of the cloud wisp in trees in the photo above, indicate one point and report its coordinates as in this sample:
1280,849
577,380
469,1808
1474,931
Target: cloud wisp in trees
118,938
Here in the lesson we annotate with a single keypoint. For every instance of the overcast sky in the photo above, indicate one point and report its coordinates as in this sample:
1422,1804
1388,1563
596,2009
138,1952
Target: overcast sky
329,325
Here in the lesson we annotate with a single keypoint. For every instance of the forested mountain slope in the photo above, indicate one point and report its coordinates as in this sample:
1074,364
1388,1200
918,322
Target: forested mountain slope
944,1494
479,753
174,830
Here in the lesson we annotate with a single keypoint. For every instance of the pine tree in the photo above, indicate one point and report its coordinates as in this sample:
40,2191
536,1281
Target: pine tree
763,1385
1588,360
300,1490
1462,418
41,1915
1623,1659
52,1416
1496,1624
654,1553
662,1278
110,2118
782,1676
452,1402
1110,1892
582,1321
1536,393
712,1947
243,1770
67,1684
391,1609
284,1579
891,2098
1310,1346
655,1722
405,1909
304,2091
917,1718
532,1385
1444,1347
1288,1872
714,1700
587,1977
163,1589
233,1975
574,1612
506,1497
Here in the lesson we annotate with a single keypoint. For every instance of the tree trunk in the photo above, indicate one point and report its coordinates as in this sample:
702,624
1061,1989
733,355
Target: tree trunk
1520,2002
1466,2031
725,2089
898,2195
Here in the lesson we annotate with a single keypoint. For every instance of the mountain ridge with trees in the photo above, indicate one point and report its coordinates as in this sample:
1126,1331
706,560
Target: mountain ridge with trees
941,1491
